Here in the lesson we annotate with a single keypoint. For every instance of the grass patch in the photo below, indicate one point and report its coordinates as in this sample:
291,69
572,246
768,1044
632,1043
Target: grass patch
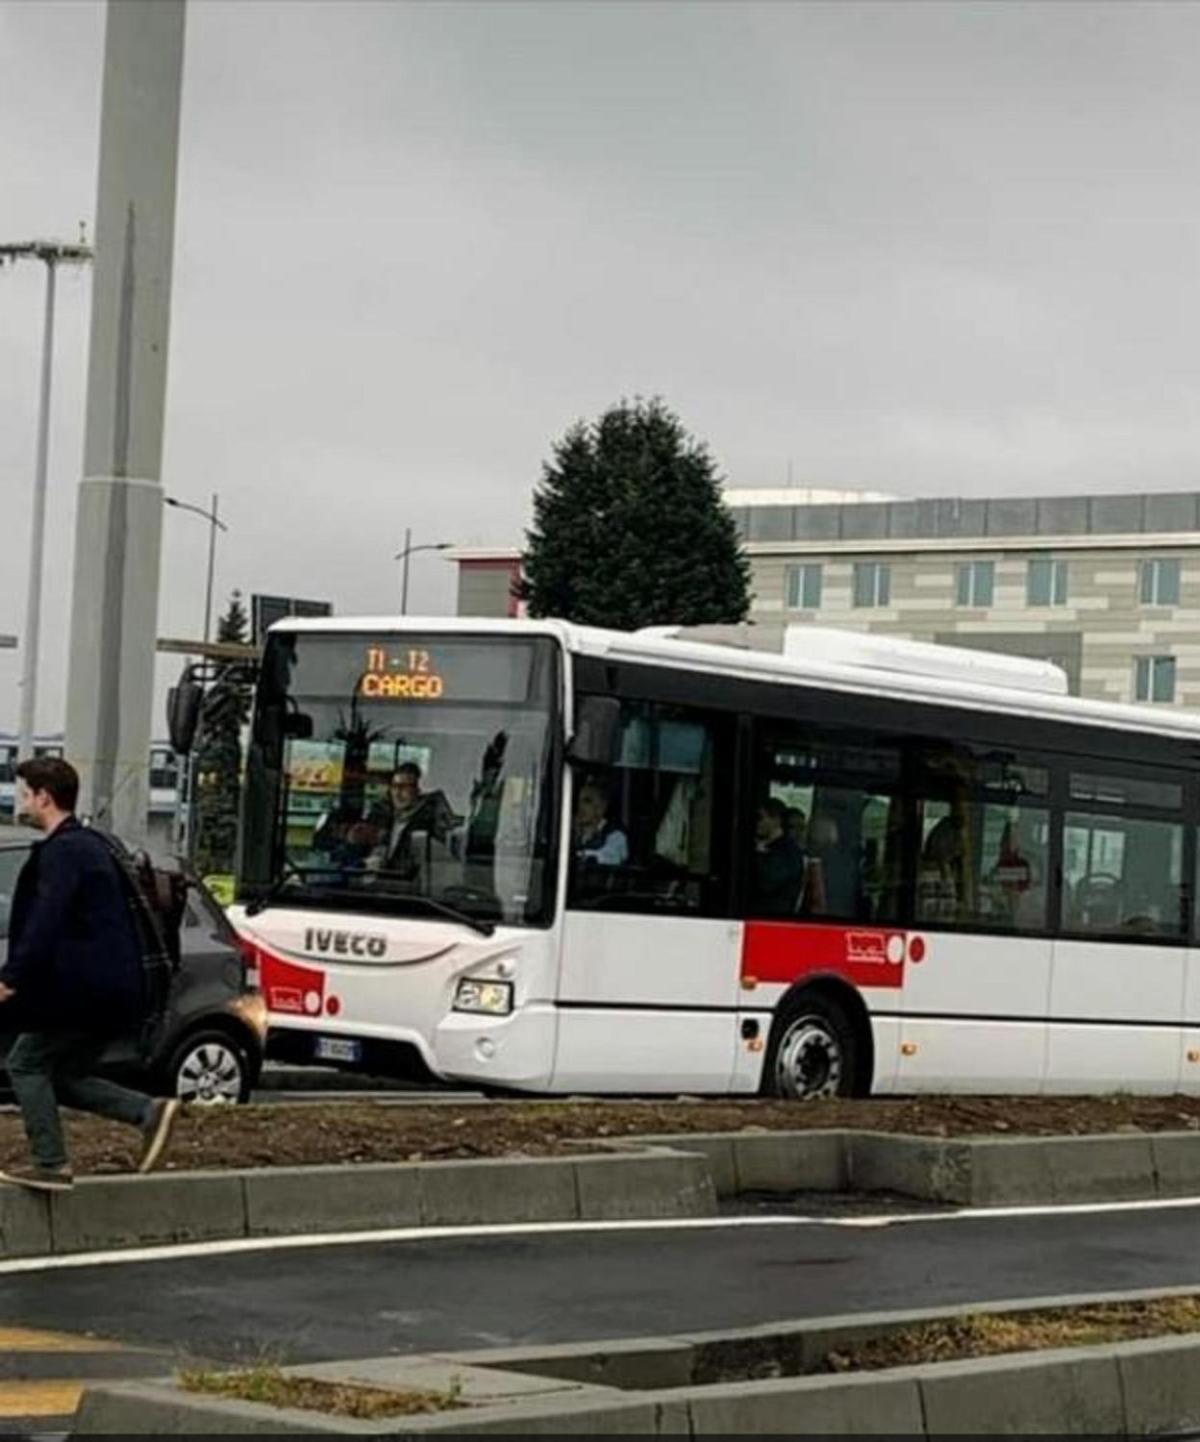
273,1387
992,1334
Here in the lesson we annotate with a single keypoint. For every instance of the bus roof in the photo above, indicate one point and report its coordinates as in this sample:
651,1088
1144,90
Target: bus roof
933,673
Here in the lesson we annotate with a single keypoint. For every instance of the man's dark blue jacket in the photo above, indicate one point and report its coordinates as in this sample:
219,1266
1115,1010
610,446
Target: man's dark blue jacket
74,956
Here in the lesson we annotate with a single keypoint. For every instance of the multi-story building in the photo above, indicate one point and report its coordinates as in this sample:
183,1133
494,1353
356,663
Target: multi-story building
1106,586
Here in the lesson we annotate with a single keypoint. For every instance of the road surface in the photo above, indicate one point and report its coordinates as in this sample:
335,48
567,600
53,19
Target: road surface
570,1283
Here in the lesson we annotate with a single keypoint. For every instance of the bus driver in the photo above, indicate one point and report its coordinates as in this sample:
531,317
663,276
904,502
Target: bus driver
596,838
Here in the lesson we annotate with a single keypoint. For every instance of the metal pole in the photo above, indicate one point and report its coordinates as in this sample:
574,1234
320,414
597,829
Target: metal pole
404,586
118,524
33,603
212,550
183,801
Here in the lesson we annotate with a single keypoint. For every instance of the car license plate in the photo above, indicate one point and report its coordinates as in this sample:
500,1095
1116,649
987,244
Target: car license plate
338,1048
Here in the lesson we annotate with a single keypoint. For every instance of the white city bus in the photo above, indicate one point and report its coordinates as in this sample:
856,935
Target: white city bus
526,855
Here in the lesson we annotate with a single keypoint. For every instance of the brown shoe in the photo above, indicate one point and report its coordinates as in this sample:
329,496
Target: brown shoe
155,1133
40,1179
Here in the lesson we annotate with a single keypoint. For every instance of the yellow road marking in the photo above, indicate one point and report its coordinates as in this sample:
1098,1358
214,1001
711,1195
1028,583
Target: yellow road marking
39,1399
26,1339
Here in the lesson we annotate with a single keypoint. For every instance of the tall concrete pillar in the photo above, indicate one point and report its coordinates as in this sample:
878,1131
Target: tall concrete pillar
118,527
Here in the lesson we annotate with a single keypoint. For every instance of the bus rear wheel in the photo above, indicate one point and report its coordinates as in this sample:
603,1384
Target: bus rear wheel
813,1052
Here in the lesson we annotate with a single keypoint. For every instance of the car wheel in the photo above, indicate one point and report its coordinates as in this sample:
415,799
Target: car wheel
813,1053
211,1068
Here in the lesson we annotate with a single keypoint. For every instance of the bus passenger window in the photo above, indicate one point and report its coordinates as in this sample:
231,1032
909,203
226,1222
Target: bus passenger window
983,864
983,838
644,834
1122,874
835,851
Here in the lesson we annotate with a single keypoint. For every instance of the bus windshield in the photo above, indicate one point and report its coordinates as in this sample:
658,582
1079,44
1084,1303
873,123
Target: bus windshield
406,774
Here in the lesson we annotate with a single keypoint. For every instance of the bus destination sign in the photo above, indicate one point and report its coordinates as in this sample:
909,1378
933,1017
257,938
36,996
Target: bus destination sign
410,674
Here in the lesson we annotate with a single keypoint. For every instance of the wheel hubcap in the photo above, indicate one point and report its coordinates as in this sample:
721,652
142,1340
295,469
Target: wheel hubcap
810,1061
211,1072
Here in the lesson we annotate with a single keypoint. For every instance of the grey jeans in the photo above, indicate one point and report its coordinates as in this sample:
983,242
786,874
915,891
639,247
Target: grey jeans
48,1067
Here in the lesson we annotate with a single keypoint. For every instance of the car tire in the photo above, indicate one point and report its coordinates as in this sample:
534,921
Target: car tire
210,1068
814,1051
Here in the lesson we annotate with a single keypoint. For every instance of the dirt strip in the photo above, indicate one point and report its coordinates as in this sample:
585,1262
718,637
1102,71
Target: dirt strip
353,1132
992,1335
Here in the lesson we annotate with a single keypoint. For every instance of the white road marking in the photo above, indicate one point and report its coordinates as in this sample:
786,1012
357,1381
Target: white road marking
182,1251
986,1214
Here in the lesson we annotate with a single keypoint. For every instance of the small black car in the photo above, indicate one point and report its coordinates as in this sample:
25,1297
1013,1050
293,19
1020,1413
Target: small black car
210,1045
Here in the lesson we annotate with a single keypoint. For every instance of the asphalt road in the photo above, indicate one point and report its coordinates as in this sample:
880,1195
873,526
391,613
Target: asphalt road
371,1299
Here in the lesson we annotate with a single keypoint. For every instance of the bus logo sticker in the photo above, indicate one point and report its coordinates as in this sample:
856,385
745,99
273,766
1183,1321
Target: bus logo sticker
871,947
345,943
291,989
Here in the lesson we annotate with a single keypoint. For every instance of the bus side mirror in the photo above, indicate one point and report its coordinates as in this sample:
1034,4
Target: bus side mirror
298,726
183,714
597,738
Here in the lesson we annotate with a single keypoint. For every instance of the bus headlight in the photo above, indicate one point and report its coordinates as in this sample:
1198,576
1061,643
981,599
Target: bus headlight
492,998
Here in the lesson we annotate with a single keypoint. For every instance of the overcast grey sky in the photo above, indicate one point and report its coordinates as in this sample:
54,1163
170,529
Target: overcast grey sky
921,248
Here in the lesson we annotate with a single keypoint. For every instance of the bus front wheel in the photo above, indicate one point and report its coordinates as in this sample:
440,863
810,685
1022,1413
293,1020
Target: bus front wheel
814,1051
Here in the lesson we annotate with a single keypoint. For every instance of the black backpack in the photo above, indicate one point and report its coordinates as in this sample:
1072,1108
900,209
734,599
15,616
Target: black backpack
156,899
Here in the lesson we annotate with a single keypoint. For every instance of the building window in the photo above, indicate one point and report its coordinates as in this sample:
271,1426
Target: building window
1154,678
804,588
1046,583
872,583
976,583
1159,584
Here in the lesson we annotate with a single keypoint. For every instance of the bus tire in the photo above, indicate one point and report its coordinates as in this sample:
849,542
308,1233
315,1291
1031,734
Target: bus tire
814,1051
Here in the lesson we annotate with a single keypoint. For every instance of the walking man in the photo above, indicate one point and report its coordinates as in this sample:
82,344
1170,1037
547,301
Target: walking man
73,981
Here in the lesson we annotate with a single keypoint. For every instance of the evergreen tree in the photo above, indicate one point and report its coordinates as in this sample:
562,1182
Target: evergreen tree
630,528
217,763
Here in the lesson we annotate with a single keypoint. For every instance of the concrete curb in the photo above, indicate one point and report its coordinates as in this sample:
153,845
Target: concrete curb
965,1171
1128,1389
631,1178
114,1212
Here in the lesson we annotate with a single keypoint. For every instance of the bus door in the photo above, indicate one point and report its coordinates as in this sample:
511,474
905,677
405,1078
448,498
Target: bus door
978,956
649,982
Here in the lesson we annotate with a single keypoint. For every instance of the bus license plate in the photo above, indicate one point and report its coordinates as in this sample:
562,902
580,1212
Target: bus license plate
338,1048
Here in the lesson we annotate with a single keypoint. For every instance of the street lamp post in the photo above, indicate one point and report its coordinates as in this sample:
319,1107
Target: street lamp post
52,254
411,550
215,524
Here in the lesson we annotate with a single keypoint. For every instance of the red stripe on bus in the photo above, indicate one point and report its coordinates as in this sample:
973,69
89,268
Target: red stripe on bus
787,951
288,988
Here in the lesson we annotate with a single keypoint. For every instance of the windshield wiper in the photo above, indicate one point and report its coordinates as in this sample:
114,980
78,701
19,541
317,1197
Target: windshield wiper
452,913
305,895
279,886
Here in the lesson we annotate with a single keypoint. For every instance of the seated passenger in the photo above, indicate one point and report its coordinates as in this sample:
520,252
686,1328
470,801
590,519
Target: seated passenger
1016,896
410,813
597,839
778,863
348,832
797,826
840,892
941,892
